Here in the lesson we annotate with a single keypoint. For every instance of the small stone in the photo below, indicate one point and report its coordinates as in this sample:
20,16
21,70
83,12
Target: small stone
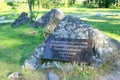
15,75
52,76
43,65
37,50
99,15
42,49
12,15
2,18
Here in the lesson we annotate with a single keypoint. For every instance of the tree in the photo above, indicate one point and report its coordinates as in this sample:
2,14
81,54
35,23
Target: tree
100,3
117,2
66,3
71,2
107,3
31,4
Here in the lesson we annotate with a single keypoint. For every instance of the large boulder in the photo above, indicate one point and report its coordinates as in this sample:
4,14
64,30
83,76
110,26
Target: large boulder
112,76
49,20
103,47
22,19
33,62
54,14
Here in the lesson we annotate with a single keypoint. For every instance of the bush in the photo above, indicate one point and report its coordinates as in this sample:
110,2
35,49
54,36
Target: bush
90,5
10,4
93,5
114,7
50,3
84,3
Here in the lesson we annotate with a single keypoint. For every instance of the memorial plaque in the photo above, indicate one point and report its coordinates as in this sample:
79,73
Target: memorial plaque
68,50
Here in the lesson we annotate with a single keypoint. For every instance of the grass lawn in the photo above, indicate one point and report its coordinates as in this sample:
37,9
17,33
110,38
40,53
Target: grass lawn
16,44
110,25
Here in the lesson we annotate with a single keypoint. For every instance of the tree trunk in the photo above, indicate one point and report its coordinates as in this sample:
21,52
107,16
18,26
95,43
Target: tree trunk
118,2
66,3
74,1
30,9
40,4
100,4
107,4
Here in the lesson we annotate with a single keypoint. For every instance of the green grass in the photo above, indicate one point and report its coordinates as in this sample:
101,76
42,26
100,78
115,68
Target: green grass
16,44
109,25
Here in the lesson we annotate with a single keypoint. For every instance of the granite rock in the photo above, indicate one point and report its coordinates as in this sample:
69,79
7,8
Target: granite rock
15,76
22,19
49,21
104,48
72,27
116,65
112,76
52,76
46,19
2,18
33,62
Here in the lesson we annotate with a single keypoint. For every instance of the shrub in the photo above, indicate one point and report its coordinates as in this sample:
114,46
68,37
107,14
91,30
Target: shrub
10,4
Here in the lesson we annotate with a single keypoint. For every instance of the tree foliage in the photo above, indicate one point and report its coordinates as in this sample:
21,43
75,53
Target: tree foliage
41,4
31,4
101,3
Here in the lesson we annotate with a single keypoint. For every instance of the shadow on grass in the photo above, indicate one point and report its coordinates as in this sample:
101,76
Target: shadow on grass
14,15
107,10
106,18
79,11
110,27
10,16
105,24
99,10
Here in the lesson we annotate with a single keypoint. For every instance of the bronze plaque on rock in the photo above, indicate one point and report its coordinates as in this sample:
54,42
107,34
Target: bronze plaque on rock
68,50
